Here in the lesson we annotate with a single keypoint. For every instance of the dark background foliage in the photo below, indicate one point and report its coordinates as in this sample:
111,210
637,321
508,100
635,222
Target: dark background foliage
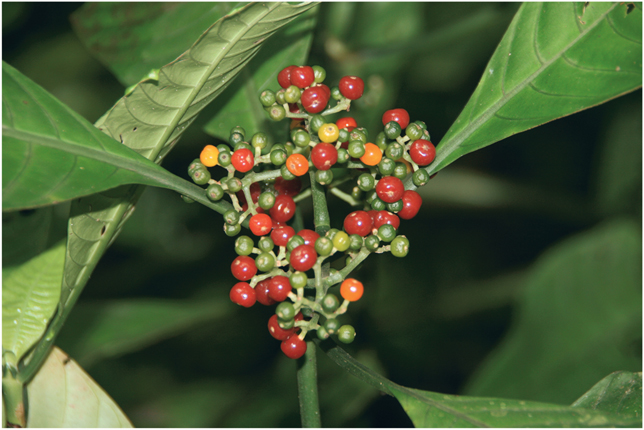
428,321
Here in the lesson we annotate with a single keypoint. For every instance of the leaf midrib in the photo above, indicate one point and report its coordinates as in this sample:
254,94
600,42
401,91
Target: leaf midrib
447,147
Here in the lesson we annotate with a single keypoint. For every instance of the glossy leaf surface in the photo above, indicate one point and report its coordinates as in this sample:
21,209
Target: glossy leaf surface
131,38
586,294
24,235
51,154
619,393
112,328
554,60
63,395
30,295
241,104
151,120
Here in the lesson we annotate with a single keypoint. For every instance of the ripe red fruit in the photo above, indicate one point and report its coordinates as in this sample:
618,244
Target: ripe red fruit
243,294
303,258
422,152
358,222
284,77
283,209
309,236
260,224
243,268
261,292
278,332
390,189
346,122
302,76
411,204
293,347
324,155
351,87
386,217
278,288
282,234
289,188
243,160
315,99
399,115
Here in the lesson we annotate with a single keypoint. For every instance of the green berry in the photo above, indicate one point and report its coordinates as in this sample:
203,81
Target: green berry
366,182
234,184
400,246
358,134
331,325
224,158
336,94
239,129
331,233
200,176
414,131
343,156
319,73
400,171
323,246
232,230
259,140
341,241
420,177
294,242
286,174
316,122
395,206
285,311
355,242
279,96
356,148
298,279
243,145
300,138
286,324
214,192
372,242
378,205
343,135
231,217
196,164
392,130
278,156
356,193
265,262
324,177
386,166
346,334
330,303
267,98
381,140
222,147
322,333
235,138
394,150
421,124
266,200
265,244
276,112
292,94
386,232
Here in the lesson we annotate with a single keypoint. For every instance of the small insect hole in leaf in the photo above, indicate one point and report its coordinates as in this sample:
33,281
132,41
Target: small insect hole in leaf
134,129
103,231
629,8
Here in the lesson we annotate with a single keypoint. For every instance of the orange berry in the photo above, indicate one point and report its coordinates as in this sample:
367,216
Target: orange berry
297,164
351,289
209,156
372,154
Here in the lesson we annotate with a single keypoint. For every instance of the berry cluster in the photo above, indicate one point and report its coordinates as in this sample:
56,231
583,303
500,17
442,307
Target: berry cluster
265,181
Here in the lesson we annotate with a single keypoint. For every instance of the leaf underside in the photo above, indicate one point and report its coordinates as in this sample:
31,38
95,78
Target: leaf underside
554,60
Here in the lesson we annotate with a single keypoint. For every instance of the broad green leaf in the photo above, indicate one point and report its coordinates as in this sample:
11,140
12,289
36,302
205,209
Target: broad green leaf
30,296
132,38
24,235
63,395
579,319
429,409
51,154
242,107
151,120
554,60
619,393
111,328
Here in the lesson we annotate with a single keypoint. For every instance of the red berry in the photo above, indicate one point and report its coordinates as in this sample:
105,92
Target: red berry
289,188
399,115
315,99
255,191
243,160
351,87
390,189
303,258
411,204
284,77
324,155
293,347
346,122
278,332
422,152
243,294
278,288
283,209
309,236
282,234
293,108
303,76
386,217
358,222
243,268
260,224
261,291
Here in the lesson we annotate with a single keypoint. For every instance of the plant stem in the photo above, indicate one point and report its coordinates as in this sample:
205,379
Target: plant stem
320,210
307,387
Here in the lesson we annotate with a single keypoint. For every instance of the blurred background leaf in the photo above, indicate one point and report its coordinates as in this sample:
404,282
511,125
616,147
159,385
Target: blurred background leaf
426,321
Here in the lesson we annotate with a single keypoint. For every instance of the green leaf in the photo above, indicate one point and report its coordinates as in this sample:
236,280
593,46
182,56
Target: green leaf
554,60
30,296
429,409
51,154
619,393
151,120
111,328
242,107
25,234
579,319
132,38
63,395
